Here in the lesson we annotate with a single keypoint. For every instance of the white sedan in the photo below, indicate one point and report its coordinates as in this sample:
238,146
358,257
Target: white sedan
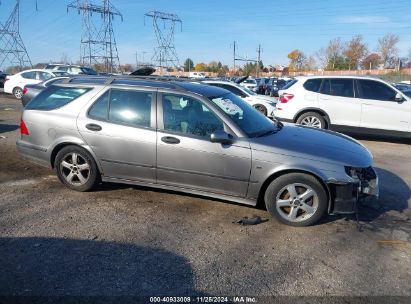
265,104
15,84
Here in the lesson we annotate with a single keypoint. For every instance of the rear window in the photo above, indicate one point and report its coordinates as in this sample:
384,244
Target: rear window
312,85
289,84
55,97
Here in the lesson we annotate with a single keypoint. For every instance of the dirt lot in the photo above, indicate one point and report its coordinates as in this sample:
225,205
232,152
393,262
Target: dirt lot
122,240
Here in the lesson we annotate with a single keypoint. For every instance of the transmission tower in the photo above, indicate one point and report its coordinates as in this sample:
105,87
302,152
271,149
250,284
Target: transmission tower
165,53
98,44
12,49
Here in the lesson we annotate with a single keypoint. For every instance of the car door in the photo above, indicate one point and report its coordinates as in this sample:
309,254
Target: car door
337,99
187,158
120,129
379,108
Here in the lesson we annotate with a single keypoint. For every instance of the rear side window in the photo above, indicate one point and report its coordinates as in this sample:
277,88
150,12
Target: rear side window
312,85
338,87
55,97
370,89
29,75
124,107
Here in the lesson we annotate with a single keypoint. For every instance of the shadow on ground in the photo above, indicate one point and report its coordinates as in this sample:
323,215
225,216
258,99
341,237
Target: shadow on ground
53,266
8,128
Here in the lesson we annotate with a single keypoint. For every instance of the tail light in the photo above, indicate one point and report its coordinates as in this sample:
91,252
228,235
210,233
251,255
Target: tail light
284,98
24,90
23,128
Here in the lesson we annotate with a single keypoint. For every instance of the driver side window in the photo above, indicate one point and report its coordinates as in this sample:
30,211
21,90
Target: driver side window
186,115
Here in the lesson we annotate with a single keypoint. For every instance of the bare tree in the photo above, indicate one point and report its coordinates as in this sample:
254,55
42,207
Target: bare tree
322,58
355,51
310,63
371,61
387,47
334,50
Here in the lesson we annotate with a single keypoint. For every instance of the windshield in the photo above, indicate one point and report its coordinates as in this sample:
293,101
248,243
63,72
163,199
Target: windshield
88,71
251,121
248,91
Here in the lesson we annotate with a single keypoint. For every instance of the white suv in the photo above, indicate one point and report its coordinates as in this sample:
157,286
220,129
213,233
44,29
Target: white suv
346,103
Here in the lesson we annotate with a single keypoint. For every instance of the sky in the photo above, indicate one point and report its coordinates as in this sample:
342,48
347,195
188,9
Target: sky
211,26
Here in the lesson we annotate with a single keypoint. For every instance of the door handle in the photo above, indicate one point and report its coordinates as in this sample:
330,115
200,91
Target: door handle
93,127
170,140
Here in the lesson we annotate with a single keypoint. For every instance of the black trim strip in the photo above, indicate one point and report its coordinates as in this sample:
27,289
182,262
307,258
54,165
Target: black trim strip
204,174
126,163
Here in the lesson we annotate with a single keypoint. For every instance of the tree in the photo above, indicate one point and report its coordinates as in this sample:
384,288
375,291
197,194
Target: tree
310,64
387,47
333,52
200,67
355,51
371,61
321,57
188,65
297,60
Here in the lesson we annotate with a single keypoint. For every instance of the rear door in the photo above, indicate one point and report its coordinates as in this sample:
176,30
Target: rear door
30,77
120,127
379,108
337,99
187,158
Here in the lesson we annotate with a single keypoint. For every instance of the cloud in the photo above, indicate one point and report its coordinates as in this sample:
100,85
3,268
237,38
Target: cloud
363,19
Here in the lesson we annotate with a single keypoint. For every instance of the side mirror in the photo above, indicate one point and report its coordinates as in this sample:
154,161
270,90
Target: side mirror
399,98
221,137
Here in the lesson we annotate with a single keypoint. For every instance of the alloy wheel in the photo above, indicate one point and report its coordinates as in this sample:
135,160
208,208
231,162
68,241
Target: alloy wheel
75,169
296,202
311,121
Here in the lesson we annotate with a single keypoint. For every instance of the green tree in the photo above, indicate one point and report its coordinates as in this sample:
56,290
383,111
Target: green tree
188,65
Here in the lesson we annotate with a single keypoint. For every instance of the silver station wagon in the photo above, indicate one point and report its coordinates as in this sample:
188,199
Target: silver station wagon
193,138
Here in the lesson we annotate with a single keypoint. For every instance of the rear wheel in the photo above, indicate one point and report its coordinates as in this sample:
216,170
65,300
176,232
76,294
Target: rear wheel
261,109
18,92
76,168
312,119
296,199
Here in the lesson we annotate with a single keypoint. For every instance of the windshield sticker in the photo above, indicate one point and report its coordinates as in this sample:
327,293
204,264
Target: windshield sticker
229,107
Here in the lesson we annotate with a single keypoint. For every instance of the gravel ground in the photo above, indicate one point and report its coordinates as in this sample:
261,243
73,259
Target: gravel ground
124,240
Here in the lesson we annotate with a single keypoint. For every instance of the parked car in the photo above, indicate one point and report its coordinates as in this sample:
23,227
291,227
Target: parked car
249,83
262,85
193,138
72,69
2,79
196,75
14,84
264,104
274,85
404,88
350,104
32,90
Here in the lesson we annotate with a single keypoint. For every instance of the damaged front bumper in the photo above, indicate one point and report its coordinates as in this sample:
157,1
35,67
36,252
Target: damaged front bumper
345,196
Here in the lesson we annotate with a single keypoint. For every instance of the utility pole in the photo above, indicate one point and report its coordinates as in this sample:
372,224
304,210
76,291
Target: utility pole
165,53
98,44
258,60
12,49
234,58
136,60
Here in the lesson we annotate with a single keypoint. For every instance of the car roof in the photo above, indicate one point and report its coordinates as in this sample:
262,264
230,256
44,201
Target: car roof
151,82
338,76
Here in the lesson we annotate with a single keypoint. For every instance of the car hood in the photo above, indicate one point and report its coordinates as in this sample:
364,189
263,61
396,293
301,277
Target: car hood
315,144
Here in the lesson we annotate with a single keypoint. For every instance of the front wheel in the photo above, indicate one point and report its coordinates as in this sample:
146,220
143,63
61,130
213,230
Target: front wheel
312,119
76,168
18,92
296,199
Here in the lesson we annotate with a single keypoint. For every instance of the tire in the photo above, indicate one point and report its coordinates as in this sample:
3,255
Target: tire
312,119
18,92
300,207
262,109
79,175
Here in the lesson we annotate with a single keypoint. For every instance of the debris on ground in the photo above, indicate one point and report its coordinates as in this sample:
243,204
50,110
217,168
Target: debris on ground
245,221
